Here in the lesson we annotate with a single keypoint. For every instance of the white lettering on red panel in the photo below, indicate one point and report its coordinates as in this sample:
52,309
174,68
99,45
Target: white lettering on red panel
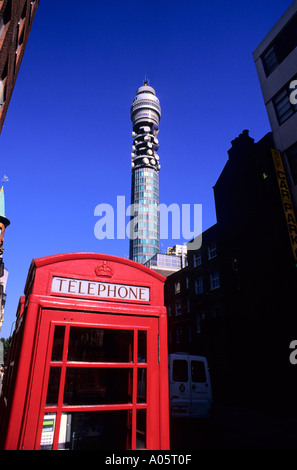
97,289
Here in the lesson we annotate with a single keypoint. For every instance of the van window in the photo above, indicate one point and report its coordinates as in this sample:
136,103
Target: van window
198,371
180,370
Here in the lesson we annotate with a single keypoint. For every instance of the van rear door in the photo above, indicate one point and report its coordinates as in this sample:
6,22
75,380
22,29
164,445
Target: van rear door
180,390
200,389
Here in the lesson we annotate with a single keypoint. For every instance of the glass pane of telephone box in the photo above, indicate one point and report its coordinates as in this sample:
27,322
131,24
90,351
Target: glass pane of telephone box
141,385
97,386
141,346
58,343
53,386
100,345
141,429
95,430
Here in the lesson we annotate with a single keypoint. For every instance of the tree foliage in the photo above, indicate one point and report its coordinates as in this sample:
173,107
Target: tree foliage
5,342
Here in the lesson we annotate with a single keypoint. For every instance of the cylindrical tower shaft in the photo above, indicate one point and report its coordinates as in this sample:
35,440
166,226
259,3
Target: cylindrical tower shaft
145,166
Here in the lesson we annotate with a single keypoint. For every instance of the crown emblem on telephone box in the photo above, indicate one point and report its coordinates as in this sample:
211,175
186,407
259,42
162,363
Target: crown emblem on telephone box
103,270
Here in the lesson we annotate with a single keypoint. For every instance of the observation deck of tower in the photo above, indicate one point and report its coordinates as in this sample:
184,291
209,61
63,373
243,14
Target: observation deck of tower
145,166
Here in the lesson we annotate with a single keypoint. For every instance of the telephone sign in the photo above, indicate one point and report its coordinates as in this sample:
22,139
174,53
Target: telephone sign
85,288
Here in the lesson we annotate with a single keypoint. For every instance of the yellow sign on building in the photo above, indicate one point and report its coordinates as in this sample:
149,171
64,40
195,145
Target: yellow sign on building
286,200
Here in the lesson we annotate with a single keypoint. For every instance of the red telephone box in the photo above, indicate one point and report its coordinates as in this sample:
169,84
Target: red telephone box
88,364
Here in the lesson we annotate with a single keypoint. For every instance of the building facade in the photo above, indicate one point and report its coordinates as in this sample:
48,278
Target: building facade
167,263
235,301
16,18
275,59
145,166
4,222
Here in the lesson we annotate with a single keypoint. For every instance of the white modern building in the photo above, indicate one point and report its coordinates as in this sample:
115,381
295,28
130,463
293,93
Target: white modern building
168,263
276,63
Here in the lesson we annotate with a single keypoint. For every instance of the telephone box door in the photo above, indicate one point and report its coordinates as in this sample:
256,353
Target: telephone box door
96,383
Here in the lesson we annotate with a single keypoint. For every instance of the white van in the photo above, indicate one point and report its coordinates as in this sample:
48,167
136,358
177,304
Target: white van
190,392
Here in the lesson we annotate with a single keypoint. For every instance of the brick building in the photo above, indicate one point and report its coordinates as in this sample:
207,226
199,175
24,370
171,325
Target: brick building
16,18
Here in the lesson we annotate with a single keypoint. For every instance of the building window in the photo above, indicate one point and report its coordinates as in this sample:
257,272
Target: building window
282,104
282,46
2,92
292,159
178,308
217,312
177,287
199,285
214,280
188,305
33,4
190,337
3,84
270,61
198,325
197,259
5,18
235,263
179,335
212,250
187,283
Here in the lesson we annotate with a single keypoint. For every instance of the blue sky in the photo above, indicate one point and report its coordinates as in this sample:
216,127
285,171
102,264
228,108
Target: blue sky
66,140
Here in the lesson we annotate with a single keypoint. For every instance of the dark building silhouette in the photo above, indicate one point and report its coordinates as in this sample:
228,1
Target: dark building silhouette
235,302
